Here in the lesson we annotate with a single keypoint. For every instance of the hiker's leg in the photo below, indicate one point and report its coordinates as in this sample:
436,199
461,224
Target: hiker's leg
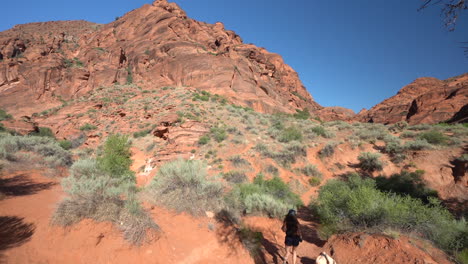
294,255
286,256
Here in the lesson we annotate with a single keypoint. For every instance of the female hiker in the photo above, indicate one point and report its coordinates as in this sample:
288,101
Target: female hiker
293,235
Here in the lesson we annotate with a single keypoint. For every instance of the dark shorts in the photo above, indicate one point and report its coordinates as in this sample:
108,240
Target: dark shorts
292,241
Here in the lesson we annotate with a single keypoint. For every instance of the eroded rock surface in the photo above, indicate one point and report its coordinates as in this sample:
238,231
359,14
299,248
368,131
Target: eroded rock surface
426,100
156,45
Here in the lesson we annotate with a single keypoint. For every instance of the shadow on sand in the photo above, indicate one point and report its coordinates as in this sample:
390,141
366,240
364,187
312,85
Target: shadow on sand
22,185
14,231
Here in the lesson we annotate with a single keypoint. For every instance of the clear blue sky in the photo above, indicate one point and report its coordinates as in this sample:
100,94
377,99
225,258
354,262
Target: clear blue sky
347,53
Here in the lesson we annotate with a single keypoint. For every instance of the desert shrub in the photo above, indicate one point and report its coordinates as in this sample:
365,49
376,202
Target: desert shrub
372,133
398,126
328,150
357,205
297,187
4,115
47,147
321,131
142,133
408,134
78,140
394,148
218,133
94,194
419,127
115,158
418,144
311,170
406,183
183,186
264,197
315,181
272,170
43,132
87,127
290,134
203,140
235,177
65,144
370,161
288,155
302,114
238,161
434,137
462,256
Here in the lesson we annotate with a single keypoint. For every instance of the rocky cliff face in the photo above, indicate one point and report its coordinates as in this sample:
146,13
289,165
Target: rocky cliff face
426,100
154,46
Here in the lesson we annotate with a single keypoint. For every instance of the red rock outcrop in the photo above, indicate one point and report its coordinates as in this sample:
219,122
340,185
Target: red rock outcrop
153,46
335,113
364,248
426,100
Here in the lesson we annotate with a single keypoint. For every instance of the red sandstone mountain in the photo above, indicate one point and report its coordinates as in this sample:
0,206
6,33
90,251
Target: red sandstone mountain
153,46
426,100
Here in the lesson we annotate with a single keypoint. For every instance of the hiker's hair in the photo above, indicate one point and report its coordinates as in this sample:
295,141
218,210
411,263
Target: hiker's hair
291,219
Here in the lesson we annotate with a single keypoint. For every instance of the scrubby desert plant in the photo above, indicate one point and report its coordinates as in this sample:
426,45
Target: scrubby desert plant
357,205
238,161
235,177
418,144
183,186
370,161
116,157
434,137
406,183
328,150
87,127
290,134
265,197
311,170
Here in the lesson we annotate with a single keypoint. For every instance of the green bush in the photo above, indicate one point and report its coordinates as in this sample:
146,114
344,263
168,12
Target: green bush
65,144
142,133
408,134
183,186
115,158
434,137
290,134
302,114
321,131
43,132
203,140
265,197
407,183
315,181
4,115
357,205
87,127
462,256
219,134
370,161
418,144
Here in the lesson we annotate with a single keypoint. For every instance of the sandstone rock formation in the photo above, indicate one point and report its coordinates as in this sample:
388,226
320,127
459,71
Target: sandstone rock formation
426,100
154,46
